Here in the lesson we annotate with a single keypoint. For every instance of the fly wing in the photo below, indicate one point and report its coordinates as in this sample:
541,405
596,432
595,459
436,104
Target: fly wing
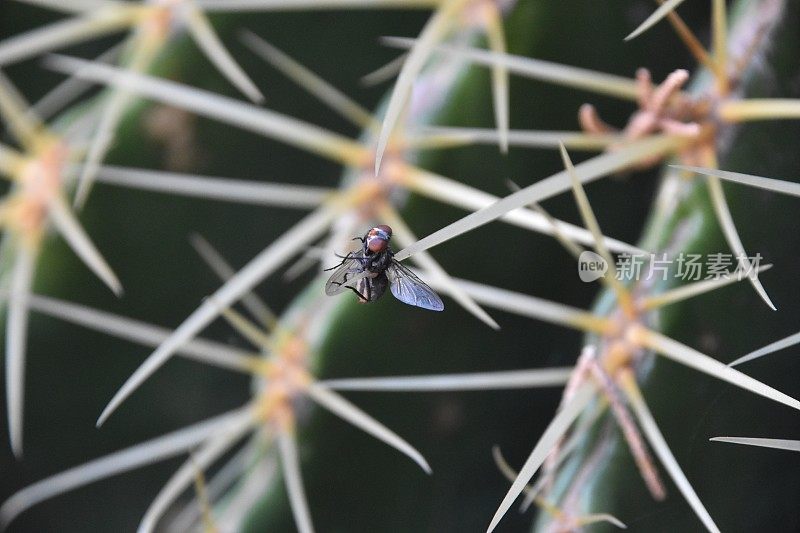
345,276
408,288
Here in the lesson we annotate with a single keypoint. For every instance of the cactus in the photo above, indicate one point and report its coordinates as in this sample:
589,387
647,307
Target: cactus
288,465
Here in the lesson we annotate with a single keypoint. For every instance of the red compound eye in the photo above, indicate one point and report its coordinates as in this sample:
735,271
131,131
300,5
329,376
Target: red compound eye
376,244
378,238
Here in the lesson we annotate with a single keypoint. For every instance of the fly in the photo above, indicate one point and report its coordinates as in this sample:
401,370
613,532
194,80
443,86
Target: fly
367,272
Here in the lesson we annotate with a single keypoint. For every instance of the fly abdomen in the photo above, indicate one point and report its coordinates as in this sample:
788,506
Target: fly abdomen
371,288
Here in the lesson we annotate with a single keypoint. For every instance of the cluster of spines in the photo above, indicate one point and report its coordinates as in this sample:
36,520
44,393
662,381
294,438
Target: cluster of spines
653,135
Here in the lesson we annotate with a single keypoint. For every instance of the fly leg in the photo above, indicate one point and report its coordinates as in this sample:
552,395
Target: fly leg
344,284
343,258
361,297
